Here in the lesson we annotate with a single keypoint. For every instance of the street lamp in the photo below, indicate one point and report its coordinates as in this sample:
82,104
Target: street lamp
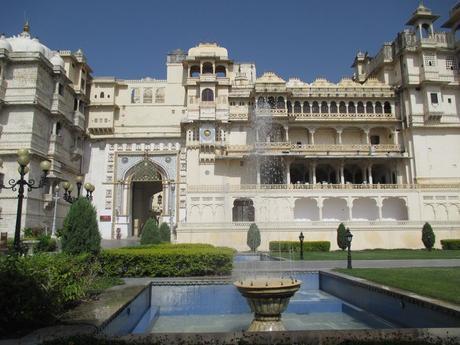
68,188
56,198
348,237
301,238
23,161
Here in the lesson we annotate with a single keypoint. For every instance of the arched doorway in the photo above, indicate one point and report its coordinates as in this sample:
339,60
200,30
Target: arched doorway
147,196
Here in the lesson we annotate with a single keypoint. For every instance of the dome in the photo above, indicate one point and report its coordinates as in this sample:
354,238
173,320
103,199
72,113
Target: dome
56,60
4,44
208,49
25,43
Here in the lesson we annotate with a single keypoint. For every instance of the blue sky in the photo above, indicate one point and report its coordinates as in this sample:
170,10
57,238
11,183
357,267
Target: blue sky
294,38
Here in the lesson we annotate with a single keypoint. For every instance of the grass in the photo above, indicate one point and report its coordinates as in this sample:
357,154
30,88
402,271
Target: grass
440,283
375,254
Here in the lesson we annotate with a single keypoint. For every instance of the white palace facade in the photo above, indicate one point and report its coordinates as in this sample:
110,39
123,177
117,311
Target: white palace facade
215,146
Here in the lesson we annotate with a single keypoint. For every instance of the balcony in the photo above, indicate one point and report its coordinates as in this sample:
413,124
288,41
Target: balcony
207,78
58,104
343,116
76,152
79,119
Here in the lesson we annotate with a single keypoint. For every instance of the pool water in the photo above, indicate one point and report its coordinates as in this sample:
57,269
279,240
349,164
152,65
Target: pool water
219,307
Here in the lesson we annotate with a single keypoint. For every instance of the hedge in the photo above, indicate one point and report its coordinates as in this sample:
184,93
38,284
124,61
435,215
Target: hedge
308,246
167,260
453,244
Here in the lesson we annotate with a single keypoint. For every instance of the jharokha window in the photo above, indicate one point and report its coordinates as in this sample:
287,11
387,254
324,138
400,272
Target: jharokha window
207,95
243,210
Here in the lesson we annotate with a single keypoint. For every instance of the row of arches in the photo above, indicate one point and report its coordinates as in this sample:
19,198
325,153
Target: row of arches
207,68
332,209
333,107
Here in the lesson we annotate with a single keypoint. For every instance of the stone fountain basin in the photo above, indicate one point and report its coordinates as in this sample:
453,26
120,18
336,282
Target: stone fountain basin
259,288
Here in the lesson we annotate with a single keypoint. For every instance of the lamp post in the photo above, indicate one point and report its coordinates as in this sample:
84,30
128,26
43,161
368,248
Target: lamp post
301,238
56,198
68,188
19,184
349,237
171,217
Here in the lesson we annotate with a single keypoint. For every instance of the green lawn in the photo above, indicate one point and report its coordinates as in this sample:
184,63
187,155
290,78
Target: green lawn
374,254
440,283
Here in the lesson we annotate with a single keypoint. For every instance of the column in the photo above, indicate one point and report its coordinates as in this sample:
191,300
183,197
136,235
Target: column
367,138
369,172
288,172
313,173
311,131
339,136
350,208
286,131
257,173
395,137
379,205
342,175
320,207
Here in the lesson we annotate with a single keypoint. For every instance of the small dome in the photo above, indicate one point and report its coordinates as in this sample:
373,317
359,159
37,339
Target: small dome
4,44
56,60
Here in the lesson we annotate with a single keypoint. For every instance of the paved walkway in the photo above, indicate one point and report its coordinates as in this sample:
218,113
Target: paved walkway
330,264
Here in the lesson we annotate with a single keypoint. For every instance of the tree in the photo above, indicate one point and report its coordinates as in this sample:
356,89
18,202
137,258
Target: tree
253,239
150,232
341,237
428,237
80,233
165,232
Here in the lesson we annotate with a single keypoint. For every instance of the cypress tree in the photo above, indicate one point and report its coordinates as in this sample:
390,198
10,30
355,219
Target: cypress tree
80,233
341,240
150,232
165,233
428,237
253,238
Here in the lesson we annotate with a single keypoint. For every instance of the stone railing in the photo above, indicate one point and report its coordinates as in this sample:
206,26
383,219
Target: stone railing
343,116
317,186
285,146
238,116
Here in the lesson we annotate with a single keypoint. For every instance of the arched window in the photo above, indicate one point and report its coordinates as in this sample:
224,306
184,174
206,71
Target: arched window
102,95
160,95
369,108
351,107
135,95
297,107
306,107
271,102
324,107
360,108
315,108
378,107
342,108
221,72
333,108
243,210
387,108
148,95
280,103
58,128
194,71
207,95
260,101
207,68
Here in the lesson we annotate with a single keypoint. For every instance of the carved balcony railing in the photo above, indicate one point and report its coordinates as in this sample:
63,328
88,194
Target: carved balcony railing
343,116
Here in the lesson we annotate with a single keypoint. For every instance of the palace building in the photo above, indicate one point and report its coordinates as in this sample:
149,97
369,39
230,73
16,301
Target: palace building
216,146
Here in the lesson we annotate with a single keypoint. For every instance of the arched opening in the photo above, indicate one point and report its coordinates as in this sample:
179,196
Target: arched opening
297,107
394,209
208,68
306,107
207,95
299,173
243,210
426,30
272,133
315,108
102,95
326,173
272,171
333,108
360,108
148,95
260,101
221,72
382,174
324,107
271,102
353,173
280,103
306,209
351,107
369,108
335,209
147,197
195,71
365,209
387,108
342,108
378,108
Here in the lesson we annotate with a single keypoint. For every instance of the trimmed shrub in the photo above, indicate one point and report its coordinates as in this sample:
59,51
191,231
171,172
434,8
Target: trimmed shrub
253,238
150,232
35,290
428,237
167,260
45,244
341,237
165,233
294,246
452,244
80,233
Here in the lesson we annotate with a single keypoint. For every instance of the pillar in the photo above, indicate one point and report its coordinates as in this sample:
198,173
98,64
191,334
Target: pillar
288,172
395,137
319,202
313,173
379,205
367,137
342,175
257,173
339,136
286,131
312,136
369,172
350,208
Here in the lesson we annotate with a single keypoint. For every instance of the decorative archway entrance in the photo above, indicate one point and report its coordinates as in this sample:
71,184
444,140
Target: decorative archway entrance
147,196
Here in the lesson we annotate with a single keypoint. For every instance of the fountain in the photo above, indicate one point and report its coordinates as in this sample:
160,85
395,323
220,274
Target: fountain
268,298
